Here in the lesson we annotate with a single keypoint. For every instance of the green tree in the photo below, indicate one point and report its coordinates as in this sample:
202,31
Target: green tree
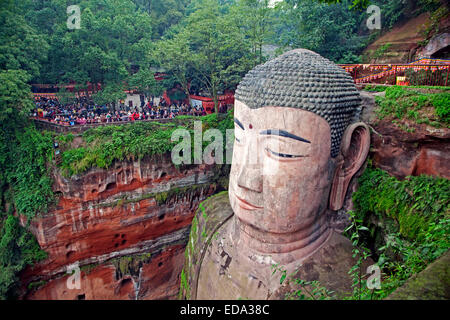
15,95
255,18
356,4
330,30
65,96
21,47
144,80
115,36
220,54
175,57
111,93
163,14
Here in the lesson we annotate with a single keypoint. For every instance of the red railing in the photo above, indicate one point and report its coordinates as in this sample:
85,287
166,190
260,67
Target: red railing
430,72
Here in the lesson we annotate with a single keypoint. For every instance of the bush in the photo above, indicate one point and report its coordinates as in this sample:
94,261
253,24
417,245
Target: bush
375,88
18,248
405,102
410,219
441,103
26,185
414,203
104,145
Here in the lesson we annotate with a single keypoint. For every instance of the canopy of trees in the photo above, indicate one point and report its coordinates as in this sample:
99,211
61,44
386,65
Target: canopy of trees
202,45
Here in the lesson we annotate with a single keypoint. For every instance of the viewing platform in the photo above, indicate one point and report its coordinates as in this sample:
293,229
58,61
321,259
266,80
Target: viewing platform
80,128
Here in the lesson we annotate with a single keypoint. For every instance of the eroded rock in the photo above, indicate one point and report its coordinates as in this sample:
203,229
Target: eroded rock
131,209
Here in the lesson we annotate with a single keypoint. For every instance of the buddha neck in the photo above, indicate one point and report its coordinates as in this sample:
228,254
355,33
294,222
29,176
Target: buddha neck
284,247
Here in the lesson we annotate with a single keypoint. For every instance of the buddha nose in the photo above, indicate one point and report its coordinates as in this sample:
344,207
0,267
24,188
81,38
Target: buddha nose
250,173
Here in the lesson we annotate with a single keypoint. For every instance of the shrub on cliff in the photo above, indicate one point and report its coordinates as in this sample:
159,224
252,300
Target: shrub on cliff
18,248
417,104
406,223
25,185
25,189
104,145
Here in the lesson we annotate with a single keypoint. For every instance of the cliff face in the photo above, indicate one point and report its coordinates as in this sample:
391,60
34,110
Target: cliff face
402,44
424,151
126,227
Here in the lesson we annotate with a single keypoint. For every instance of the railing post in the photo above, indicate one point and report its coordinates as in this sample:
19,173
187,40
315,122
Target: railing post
446,80
395,75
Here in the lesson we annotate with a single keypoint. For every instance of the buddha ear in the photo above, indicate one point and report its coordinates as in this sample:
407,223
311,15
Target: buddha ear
354,150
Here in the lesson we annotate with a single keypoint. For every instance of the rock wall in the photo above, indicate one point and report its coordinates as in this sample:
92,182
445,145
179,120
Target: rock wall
433,283
404,41
421,150
436,45
126,227
425,151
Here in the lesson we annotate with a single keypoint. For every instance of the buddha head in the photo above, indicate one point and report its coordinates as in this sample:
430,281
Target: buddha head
298,114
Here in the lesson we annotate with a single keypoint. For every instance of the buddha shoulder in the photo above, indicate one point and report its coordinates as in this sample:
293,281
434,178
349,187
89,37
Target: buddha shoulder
211,215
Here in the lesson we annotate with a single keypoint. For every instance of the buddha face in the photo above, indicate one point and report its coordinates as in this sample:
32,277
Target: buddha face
282,171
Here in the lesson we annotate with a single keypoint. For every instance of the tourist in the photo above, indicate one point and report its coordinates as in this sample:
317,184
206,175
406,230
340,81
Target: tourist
83,111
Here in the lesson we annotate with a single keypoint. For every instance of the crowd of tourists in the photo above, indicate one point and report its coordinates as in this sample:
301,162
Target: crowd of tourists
83,111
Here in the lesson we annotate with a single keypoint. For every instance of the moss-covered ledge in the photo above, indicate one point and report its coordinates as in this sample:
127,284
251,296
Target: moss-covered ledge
210,216
433,283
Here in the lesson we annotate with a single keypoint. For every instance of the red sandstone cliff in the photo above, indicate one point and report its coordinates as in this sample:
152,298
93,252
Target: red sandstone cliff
126,227
402,44
422,149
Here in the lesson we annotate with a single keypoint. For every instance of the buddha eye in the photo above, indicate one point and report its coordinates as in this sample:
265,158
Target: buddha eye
283,155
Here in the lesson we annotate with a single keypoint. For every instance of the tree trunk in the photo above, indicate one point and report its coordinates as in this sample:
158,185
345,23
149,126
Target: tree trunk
186,91
216,100
260,53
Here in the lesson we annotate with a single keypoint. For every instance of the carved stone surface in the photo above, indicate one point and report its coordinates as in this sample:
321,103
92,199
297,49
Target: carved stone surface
217,268
437,43
402,154
303,79
295,153
157,278
421,150
131,209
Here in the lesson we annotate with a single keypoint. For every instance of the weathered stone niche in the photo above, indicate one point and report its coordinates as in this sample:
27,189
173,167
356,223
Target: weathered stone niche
126,227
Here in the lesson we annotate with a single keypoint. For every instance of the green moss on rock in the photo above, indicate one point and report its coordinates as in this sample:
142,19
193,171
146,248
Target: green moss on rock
36,284
161,198
130,264
433,283
209,215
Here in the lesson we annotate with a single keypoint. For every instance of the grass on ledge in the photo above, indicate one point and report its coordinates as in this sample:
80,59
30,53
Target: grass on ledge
424,105
102,146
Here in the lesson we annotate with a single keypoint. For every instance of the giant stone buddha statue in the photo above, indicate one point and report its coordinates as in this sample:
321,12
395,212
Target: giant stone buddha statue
297,146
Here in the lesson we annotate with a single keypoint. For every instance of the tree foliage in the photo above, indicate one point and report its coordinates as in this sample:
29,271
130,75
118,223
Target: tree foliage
25,186
145,82
21,47
15,97
114,36
330,30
